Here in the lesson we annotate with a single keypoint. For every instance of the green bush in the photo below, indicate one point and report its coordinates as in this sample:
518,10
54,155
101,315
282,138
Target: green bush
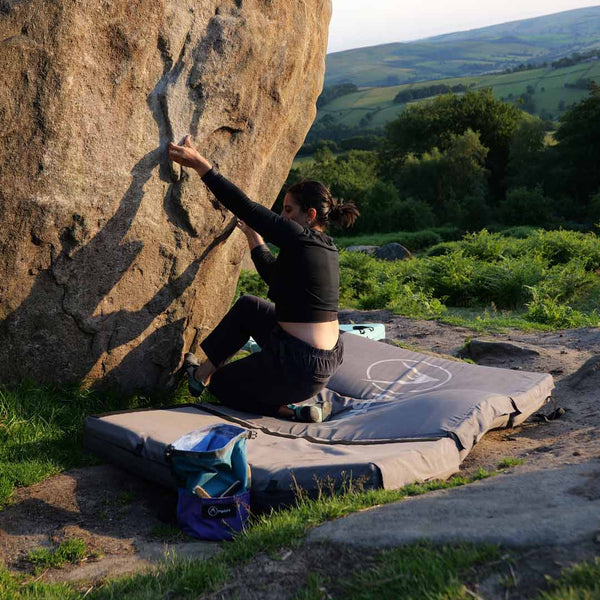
524,206
422,239
593,212
448,277
250,282
550,311
561,247
488,247
403,299
443,249
449,233
411,215
519,232
506,283
554,276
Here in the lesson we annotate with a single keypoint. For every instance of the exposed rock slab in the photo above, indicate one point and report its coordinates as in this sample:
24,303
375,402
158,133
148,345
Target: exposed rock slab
393,251
482,351
368,250
115,262
553,507
588,376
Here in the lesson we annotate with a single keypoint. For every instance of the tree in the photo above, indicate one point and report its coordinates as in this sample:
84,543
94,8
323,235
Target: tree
578,149
383,210
452,182
525,206
348,175
526,152
430,125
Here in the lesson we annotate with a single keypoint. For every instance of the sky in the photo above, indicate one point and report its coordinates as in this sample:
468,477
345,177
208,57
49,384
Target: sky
357,23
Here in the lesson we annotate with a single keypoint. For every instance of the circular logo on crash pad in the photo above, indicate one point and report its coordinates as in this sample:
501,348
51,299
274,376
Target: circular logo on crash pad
401,376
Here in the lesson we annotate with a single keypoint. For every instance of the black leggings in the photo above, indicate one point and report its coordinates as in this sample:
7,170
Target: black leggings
285,371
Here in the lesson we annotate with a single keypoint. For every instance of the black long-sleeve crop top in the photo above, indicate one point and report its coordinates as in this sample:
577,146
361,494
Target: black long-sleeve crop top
304,278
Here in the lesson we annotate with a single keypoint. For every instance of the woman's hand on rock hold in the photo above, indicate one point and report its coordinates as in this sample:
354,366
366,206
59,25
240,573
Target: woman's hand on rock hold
187,156
254,239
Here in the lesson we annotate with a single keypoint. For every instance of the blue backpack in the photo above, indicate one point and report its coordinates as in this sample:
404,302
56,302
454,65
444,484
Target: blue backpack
213,475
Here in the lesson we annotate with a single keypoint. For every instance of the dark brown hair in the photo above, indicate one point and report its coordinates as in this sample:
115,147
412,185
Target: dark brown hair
313,194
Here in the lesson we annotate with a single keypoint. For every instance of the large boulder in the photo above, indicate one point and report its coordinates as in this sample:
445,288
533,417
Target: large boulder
115,262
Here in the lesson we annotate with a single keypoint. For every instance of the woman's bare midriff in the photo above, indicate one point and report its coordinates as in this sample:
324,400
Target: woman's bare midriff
323,336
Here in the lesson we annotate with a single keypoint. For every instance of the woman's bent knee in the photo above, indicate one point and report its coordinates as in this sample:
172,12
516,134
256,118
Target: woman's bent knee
246,304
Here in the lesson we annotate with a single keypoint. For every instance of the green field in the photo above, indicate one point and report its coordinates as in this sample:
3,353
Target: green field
542,39
548,84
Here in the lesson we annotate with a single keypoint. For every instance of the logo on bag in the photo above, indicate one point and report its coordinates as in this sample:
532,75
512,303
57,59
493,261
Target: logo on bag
218,512
420,376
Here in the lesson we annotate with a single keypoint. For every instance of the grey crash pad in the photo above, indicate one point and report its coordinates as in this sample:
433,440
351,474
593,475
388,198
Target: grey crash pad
399,417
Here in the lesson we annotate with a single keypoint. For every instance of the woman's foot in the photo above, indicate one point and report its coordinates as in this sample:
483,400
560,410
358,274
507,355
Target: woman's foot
191,365
311,413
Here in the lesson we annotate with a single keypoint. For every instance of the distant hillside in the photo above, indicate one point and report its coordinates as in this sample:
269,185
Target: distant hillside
546,92
495,48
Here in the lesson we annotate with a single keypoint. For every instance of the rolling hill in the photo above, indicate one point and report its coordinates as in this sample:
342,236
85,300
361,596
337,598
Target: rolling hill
550,91
468,53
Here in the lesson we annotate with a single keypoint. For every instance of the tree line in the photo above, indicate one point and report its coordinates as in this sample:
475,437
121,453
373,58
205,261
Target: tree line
471,161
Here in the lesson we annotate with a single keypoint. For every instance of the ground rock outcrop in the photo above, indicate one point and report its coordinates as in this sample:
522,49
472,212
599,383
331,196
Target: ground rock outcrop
115,262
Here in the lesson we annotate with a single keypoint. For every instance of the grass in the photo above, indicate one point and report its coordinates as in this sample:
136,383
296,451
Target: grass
41,431
411,571
314,588
420,571
509,461
73,550
579,582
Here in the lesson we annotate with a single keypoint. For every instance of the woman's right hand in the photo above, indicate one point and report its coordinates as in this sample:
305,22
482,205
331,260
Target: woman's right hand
187,156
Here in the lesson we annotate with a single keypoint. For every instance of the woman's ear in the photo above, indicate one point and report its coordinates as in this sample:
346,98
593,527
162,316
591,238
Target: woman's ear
311,213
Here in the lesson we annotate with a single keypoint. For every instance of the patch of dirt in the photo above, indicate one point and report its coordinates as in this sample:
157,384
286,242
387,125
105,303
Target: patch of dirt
128,524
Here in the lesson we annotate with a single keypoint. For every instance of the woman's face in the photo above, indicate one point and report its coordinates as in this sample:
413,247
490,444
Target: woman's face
292,211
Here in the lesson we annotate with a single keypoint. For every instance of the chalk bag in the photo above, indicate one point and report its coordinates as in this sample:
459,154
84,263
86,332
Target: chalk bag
213,475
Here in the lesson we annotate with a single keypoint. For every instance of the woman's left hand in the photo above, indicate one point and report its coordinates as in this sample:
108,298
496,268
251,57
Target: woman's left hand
254,239
187,156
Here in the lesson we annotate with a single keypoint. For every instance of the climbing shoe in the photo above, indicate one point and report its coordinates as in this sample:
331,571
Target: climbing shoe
312,413
190,364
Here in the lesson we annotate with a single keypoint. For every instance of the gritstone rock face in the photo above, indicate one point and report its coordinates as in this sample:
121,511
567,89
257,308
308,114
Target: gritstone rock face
115,262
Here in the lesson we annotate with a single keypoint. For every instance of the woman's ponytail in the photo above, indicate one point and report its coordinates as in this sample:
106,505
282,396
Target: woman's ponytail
343,213
314,194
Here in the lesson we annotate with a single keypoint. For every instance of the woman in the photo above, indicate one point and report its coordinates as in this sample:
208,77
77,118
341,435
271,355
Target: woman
299,334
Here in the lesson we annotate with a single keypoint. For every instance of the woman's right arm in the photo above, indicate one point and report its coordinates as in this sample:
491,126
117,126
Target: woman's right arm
263,220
